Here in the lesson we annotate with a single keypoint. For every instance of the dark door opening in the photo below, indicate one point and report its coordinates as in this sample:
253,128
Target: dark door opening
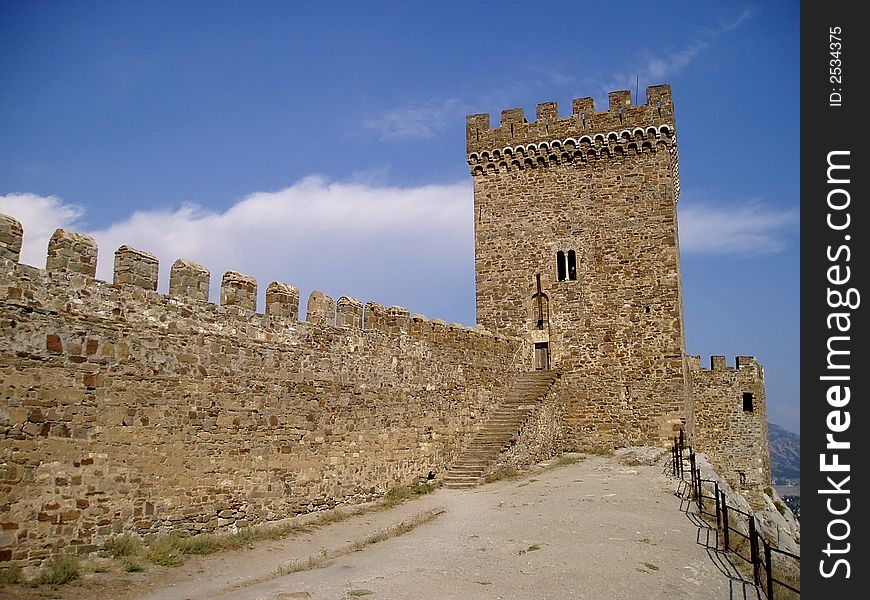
542,356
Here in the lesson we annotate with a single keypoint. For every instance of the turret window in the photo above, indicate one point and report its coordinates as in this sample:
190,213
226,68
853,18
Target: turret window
747,402
566,265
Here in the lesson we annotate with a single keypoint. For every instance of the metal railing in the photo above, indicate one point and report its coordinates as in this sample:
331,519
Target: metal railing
759,553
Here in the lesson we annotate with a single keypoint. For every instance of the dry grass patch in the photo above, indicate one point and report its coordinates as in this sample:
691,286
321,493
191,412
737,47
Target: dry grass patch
124,545
502,473
58,570
401,494
10,576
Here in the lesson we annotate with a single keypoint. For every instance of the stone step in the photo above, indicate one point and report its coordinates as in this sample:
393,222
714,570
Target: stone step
468,466
500,428
461,479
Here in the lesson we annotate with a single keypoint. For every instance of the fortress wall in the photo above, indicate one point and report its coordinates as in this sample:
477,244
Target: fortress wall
125,409
733,438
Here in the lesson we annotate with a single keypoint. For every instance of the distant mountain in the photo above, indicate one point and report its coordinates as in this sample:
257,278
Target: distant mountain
785,455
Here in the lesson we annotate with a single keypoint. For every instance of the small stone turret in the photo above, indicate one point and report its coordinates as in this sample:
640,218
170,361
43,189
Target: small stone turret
729,419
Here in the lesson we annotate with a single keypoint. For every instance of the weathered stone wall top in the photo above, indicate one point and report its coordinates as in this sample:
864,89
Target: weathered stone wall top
72,252
349,313
621,117
11,233
282,300
189,280
320,309
239,290
135,267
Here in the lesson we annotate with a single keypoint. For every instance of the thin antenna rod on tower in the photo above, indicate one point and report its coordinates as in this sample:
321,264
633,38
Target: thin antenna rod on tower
636,90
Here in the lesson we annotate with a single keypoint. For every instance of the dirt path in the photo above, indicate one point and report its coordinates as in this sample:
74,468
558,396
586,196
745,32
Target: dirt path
596,529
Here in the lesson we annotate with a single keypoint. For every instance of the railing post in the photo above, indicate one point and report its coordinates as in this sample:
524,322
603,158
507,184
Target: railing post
692,472
682,470
753,548
716,495
724,520
674,457
769,568
682,446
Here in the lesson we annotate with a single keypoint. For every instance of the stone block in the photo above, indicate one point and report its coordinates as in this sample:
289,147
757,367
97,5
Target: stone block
321,309
189,280
349,313
239,290
11,234
72,252
135,267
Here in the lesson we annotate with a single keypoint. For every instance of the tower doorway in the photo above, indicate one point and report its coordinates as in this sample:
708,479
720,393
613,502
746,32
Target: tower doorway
542,356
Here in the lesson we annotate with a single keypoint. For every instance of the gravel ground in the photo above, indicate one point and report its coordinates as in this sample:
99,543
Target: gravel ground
596,529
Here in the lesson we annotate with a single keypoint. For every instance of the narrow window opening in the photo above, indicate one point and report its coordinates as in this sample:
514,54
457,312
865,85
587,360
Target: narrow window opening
747,402
572,265
646,309
560,265
741,476
542,303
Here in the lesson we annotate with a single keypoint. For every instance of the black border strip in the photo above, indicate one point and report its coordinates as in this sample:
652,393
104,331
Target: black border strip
834,261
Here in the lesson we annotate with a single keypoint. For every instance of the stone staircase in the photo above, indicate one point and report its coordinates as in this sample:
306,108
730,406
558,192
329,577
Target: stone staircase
499,430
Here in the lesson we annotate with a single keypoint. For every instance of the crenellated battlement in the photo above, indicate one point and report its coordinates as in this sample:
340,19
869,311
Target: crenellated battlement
74,254
718,363
583,135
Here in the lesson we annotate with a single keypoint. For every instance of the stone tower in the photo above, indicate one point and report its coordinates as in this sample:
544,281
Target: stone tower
576,249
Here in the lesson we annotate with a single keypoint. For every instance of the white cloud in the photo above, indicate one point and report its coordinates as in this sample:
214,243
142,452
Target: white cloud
656,67
410,246
749,228
39,216
415,122
747,12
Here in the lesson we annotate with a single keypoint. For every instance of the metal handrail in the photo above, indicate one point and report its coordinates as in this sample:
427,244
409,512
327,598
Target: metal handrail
761,562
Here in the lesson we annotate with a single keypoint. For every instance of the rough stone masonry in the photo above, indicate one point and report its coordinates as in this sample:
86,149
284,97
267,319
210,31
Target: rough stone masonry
127,410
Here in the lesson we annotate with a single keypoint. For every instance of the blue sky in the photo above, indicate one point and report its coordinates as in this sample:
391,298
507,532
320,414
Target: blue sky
324,145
